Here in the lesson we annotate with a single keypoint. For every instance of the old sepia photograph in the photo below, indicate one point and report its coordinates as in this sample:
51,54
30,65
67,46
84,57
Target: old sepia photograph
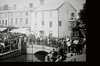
43,31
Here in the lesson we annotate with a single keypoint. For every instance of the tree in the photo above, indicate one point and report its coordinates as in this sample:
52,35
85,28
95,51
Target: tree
83,21
83,15
80,28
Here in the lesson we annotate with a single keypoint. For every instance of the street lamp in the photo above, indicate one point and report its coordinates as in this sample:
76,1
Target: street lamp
31,10
58,23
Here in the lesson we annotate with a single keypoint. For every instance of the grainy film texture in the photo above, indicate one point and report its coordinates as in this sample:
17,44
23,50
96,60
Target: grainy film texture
43,31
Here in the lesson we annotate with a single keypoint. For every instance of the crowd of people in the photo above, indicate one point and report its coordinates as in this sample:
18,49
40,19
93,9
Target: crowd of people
66,46
10,41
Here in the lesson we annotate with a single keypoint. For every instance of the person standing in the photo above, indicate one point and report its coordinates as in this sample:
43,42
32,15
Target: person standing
76,46
62,53
19,44
69,46
48,57
54,55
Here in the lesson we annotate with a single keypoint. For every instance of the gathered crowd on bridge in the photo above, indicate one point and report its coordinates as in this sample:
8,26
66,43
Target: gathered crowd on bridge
62,46
66,46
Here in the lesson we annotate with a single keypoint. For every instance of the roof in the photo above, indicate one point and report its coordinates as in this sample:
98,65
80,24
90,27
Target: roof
50,5
55,4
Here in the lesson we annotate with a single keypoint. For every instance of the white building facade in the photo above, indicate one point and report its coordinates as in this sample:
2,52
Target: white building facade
43,19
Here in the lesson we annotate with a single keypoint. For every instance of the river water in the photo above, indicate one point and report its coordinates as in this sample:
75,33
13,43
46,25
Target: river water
37,57
22,58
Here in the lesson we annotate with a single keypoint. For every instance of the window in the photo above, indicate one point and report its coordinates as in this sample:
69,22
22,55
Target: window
76,33
42,23
50,14
31,5
5,7
72,16
41,33
16,20
50,24
26,13
59,23
42,19
14,6
21,19
50,34
5,22
2,21
41,2
26,21
11,21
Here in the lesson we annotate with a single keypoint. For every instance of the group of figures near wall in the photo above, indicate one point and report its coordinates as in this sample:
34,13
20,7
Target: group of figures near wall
66,46
11,41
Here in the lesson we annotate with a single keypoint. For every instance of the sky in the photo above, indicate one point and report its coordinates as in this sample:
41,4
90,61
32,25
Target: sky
78,4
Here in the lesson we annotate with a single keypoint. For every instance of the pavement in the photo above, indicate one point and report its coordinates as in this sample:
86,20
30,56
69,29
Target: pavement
75,58
32,58
22,58
71,57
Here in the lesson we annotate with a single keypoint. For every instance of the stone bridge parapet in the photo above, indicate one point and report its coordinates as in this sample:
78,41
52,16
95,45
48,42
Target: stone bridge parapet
36,48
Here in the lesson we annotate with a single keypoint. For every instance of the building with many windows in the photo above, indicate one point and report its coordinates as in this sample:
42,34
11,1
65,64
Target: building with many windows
42,17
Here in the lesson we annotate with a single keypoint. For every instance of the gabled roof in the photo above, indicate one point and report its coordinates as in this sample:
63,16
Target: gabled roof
71,6
55,4
51,5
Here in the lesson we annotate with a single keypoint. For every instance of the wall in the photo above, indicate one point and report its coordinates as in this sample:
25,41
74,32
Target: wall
39,16
37,48
14,18
64,16
35,18
3,17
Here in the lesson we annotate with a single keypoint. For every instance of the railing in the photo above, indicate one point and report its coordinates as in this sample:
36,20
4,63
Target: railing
44,43
9,47
37,48
1,54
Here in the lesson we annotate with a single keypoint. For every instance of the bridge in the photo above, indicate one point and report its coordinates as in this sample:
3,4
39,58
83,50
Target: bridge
36,48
